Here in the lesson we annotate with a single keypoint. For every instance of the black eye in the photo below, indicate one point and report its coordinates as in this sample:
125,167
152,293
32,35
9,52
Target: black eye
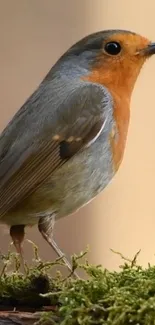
112,48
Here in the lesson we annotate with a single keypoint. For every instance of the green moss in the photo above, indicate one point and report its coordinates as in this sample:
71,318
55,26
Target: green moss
112,298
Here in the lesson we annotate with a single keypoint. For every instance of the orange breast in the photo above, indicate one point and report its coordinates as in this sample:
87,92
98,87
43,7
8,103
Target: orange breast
121,99
121,116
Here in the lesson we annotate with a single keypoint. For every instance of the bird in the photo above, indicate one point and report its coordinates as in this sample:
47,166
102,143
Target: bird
67,141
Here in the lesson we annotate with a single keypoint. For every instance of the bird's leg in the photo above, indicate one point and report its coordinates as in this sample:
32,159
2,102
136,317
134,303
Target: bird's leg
45,226
17,233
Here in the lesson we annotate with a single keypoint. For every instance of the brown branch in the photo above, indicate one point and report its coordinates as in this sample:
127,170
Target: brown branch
19,318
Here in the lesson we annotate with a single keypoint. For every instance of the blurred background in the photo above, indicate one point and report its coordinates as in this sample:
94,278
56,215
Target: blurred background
33,35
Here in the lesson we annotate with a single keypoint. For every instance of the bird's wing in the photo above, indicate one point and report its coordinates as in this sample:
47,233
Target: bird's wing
31,149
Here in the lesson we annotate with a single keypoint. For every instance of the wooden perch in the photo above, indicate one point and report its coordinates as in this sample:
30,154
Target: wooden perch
21,318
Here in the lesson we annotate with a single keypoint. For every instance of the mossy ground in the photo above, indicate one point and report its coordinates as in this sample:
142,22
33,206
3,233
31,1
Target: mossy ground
112,298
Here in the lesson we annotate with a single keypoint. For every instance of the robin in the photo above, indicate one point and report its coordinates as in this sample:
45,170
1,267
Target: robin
67,141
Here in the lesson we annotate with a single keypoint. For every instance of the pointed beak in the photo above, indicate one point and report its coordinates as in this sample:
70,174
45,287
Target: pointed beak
149,50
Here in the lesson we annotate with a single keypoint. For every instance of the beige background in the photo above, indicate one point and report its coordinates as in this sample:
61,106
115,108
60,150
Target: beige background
33,34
